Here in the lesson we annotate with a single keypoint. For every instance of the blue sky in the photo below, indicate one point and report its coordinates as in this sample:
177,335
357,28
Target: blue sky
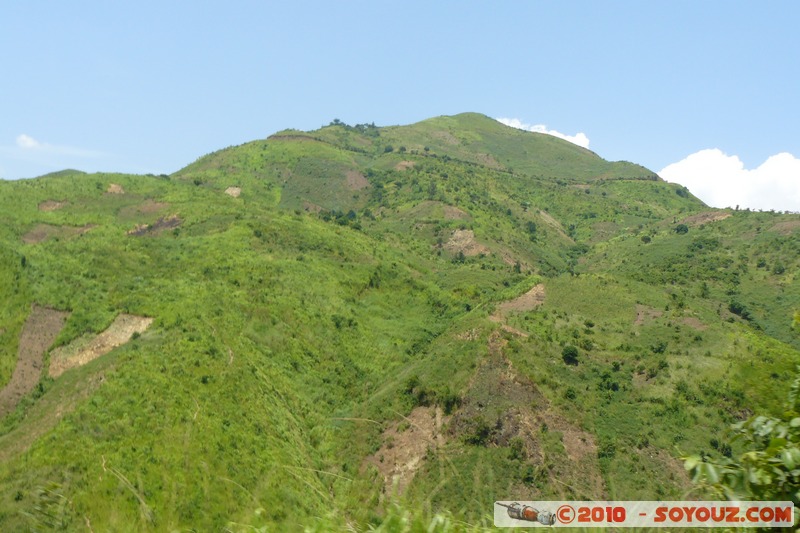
705,91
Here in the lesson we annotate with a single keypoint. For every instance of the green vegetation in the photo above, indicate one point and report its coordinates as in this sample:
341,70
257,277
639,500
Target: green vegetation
360,285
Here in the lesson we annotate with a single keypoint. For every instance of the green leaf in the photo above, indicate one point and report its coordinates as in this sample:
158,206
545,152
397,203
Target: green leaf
788,459
775,445
795,422
711,472
691,462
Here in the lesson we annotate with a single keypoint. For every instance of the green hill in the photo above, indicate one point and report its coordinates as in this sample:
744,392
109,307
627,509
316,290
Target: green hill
438,315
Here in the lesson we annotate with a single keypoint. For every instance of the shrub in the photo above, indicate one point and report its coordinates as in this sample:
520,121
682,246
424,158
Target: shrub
570,355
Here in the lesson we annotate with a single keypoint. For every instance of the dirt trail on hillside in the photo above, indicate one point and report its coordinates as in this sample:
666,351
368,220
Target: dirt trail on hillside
38,334
81,351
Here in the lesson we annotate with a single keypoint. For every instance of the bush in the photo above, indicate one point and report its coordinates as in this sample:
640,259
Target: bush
738,308
570,355
681,229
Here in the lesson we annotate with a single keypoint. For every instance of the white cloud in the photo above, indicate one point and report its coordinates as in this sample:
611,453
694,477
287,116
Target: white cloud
29,145
579,138
721,180
27,142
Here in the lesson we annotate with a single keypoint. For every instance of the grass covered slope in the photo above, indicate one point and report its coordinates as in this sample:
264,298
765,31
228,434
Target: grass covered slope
445,314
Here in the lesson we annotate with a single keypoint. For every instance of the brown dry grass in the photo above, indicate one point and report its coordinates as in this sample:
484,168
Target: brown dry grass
233,191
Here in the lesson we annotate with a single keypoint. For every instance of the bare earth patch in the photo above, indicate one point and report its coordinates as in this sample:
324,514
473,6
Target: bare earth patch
83,350
233,191
644,313
706,217
527,302
356,180
405,445
52,205
502,407
311,208
452,212
445,136
163,223
404,165
463,240
151,206
553,223
42,232
40,330
787,227
694,323
488,161
113,188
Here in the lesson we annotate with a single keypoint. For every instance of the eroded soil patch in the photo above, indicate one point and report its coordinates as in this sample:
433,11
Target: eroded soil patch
356,180
694,323
644,313
85,349
452,212
787,227
52,205
233,191
148,207
405,444
463,240
706,217
527,302
162,224
311,207
504,408
42,232
38,334
553,223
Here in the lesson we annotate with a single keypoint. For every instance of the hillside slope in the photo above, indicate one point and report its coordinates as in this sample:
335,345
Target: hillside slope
442,314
